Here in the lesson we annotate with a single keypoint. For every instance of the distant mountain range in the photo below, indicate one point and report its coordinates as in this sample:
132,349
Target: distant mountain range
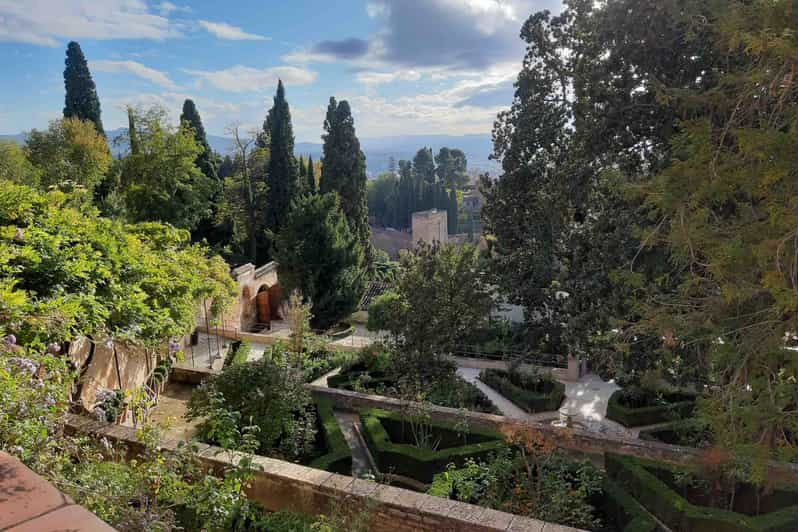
378,150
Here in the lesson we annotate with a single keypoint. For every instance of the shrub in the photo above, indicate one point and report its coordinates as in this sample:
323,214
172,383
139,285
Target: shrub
557,489
264,394
688,432
238,353
634,407
337,455
383,312
641,477
531,392
388,436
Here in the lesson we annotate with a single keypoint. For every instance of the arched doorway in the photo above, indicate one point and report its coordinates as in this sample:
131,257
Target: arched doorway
264,314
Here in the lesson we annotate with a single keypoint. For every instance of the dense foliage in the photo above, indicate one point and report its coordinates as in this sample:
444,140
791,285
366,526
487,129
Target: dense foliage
159,178
344,170
64,273
319,255
646,206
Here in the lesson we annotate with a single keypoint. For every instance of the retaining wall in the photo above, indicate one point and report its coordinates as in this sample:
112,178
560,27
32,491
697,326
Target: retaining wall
280,485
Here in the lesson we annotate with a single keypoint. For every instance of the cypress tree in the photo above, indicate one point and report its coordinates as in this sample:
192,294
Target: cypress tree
310,177
282,178
81,99
344,169
135,146
452,212
205,160
226,169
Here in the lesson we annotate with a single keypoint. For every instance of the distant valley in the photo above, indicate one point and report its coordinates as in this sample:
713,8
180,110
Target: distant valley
378,150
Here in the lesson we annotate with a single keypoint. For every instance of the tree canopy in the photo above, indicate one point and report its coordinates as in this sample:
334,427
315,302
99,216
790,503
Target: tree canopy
81,99
320,255
282,178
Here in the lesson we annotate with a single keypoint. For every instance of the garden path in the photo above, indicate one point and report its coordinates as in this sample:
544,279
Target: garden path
361,459
586,399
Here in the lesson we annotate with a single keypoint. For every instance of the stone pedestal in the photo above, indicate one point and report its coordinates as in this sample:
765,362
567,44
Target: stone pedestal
575,369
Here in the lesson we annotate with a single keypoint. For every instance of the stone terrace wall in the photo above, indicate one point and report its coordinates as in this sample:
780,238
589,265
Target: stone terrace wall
282,485
590,443
580,441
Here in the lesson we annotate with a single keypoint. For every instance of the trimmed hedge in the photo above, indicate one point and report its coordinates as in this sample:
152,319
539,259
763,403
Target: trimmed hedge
622,509
421,464
524,390
686,432
633,475
338,458
647,415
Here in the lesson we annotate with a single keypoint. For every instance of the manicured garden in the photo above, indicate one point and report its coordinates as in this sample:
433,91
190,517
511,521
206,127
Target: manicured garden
377,371
638,406
532,392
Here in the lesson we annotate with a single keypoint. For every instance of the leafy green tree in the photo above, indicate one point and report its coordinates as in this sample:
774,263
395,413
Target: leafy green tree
69,155
15,166
162,182
207,162
319,255
442,299
344,170
243,205
226,167
282,176
452,167
81,99
383,199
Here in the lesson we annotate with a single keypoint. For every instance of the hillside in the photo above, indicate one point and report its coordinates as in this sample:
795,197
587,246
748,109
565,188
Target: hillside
378,150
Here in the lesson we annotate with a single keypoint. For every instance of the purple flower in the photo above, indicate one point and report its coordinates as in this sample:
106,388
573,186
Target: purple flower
49,400
11,340
99,414
23,364
19,235
174,347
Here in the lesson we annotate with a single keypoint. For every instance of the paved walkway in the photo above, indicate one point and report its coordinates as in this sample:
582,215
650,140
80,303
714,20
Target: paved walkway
587,399
361,459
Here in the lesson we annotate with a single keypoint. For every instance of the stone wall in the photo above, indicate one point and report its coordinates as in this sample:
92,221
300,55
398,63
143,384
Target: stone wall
430,226
591,444
243,314
280,485
122,366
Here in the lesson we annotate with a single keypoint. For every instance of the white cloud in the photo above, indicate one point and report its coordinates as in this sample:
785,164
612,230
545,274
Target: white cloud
137,69
241,78
230,33
380,78
168,7
47,22
375,10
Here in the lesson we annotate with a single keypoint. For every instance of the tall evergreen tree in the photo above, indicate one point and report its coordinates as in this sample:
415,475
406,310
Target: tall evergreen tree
206,161
282,177
226,168
451,212
310,177
424,165
344,169
81,99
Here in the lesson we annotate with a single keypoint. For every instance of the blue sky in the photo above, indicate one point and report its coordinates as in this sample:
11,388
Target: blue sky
406,66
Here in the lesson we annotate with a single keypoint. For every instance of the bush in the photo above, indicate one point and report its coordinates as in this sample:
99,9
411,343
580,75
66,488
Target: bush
623,510
558,489
531,392
394,455
637,476
264,394
320,361
688,432
338,454
634,407
383,312
238,353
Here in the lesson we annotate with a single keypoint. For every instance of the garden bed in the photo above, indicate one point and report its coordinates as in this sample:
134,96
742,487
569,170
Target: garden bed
337,455
633,407
530,392
392,441
687,433
679,497
452,392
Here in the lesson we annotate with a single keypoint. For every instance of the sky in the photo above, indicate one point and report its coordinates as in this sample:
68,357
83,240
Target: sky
407,67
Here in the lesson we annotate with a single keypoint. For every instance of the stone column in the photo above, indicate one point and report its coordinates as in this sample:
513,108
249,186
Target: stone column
574,371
